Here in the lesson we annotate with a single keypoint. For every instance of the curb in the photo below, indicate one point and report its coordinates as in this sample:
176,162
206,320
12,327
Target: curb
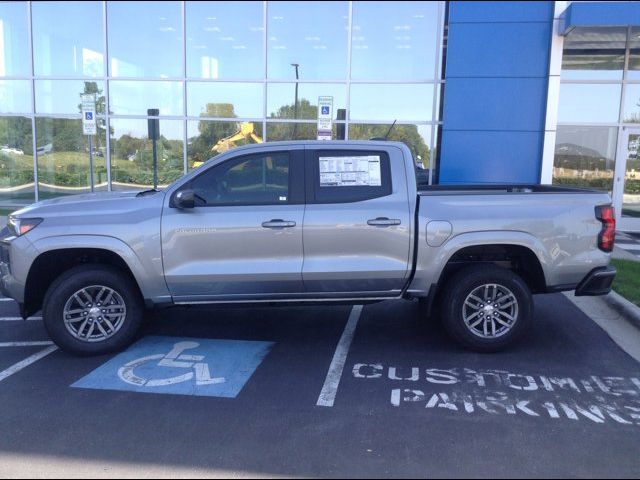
630,311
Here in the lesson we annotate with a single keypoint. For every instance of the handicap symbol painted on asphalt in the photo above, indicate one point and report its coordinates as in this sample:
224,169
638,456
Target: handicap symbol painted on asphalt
183,366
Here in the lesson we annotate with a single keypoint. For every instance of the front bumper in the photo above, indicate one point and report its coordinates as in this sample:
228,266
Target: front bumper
597,282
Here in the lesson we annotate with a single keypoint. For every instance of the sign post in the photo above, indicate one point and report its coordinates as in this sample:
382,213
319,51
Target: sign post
325,118
153,125
89,127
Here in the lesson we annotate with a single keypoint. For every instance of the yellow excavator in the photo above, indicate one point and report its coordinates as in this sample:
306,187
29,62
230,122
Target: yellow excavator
245,132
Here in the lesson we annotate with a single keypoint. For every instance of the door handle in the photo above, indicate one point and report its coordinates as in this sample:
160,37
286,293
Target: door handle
278,223
383,222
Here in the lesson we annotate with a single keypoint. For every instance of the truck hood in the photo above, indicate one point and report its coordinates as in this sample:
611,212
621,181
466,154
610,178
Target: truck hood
89,203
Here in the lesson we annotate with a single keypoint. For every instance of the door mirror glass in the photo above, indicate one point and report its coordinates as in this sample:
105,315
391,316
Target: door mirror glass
184,199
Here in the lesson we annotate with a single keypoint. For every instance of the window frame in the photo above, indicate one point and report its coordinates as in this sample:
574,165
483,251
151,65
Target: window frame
295,194
312,185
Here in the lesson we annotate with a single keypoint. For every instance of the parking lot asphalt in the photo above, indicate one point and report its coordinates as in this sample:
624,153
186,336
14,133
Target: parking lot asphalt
406,401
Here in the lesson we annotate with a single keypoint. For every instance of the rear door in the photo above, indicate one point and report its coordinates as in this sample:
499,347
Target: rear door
243,239
357,226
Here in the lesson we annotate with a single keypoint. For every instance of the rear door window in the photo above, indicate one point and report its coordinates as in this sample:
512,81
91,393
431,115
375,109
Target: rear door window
343,176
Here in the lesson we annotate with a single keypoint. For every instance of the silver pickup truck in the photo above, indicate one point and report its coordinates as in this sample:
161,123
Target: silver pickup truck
305,222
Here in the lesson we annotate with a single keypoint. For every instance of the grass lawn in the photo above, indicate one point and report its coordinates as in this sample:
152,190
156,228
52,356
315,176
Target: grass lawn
627,282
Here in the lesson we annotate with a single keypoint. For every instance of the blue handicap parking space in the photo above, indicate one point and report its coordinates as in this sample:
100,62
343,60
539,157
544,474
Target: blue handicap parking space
181,366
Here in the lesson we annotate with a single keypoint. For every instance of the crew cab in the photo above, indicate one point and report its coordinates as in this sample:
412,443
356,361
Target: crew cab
305,222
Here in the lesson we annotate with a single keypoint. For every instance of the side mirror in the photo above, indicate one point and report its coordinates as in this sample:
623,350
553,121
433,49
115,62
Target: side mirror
184,199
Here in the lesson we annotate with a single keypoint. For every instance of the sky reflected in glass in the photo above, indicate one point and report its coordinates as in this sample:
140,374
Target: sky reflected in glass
404,102
14,39
15,96
584,103
281,99
225,40
63,96
225,100
129,97
145,39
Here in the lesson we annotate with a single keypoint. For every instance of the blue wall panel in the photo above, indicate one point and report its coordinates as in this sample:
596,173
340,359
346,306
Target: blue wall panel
495,103
500,11
491,157
594,14
495,92
498,49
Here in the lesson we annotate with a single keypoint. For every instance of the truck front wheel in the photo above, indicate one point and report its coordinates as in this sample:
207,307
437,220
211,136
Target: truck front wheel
92,310
486,308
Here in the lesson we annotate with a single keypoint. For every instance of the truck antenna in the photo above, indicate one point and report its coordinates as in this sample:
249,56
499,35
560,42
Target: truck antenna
390,128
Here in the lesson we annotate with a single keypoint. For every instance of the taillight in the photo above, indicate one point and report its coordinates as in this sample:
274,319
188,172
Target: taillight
607,236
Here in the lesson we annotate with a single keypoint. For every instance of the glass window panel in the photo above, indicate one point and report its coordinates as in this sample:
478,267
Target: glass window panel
225,40
313,35
594,53
394,40
133,97
16,161
14,39
631,194
132,153
15,96
207,138
281,99
634,55
584,103
63,158
63,96
279,131
585,156
145,39
416,137
225,100
73,44
632,103
252,179
409,102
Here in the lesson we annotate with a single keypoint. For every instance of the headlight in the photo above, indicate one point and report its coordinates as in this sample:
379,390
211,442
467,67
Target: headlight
20,226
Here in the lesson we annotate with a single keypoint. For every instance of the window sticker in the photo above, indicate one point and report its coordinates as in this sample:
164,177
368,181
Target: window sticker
362,171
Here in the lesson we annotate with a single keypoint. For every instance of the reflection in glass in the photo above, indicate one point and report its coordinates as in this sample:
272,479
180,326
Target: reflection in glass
394,40
585,103
585,157
132,154
15,96
16,160
136,97
404,102
281,99
632,103
633,73
594,53
207,138
15,59
631,195
225,40
279,131
63,158
145,39
63,96
225,100
313,35
416,137
73,44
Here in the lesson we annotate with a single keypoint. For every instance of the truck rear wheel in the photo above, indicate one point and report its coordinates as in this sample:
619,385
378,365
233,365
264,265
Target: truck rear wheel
92,310
486,308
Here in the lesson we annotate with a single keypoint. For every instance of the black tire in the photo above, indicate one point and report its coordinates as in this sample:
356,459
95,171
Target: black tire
462,284
83,276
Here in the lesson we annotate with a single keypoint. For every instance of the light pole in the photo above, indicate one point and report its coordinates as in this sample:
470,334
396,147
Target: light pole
295,105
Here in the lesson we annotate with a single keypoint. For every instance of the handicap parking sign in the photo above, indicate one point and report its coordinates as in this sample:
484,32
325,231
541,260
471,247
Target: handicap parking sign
88,115
325,110
182,366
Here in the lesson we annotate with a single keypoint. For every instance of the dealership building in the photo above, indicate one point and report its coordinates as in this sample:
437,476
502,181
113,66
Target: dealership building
481,92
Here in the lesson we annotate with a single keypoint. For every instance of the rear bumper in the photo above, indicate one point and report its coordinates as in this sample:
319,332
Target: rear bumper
597,282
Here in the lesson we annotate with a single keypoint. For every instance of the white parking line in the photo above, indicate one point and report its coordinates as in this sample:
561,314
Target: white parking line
26,362
330,389
19,319
26,344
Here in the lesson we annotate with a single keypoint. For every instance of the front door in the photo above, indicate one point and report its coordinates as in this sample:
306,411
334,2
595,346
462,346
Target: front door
626,189
243,238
